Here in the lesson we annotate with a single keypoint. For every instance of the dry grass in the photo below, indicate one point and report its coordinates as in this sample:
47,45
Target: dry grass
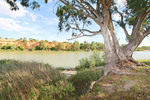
19,80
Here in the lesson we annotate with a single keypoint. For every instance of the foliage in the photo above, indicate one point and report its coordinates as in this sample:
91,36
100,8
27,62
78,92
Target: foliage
99,46
135,9
94,60
42,45
82,79
12,47
20,47
81,45
6,47
93,45
61,90
60,46
76,45
139,49
53,48
86,45
31,39
29,80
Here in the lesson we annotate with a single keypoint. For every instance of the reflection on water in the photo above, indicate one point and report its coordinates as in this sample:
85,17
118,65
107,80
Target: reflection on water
58,59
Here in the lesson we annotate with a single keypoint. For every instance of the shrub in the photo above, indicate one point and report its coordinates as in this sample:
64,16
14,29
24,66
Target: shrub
93,61
82,79
26,80
53,48
20,47
7,47
60,91
37,48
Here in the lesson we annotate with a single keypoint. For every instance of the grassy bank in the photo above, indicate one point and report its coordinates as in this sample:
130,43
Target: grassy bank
37,81
31,80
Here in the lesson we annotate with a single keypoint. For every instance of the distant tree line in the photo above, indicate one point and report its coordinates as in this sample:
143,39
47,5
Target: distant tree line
12,47
45,45
143,48
67,46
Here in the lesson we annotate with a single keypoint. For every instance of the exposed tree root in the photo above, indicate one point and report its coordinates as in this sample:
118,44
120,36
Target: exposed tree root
138,63
119,68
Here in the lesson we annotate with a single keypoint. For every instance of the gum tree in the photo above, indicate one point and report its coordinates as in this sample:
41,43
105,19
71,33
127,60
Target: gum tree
77,14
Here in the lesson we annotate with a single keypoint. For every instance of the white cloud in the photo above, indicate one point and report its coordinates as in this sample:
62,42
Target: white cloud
56,19
26,23
5,10
33,17
11,25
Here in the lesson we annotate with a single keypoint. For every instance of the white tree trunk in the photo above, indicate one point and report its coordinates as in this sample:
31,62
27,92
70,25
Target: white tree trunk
112,49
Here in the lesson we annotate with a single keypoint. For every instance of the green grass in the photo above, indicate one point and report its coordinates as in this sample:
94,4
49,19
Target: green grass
82,79
31,80
145,61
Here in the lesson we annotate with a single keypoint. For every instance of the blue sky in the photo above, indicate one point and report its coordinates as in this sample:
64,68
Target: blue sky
42,25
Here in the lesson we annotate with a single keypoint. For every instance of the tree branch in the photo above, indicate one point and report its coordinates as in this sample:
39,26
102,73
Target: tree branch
83,35
83,6
109,3
122,25
136,29
92,10
85,30
146,33
68,4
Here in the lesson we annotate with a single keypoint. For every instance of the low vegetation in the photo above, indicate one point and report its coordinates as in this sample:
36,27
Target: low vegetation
36,81
12,47
93,61
31,80
145,61
82,80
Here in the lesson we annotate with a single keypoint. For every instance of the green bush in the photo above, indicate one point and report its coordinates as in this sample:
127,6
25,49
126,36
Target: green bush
61,90
26,80
7,47
93,61
20,47
37,48
53,48
41,47
82,79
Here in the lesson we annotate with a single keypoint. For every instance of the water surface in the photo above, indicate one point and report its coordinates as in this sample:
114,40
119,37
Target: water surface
58,59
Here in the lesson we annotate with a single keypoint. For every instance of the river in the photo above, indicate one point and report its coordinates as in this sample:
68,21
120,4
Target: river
59,58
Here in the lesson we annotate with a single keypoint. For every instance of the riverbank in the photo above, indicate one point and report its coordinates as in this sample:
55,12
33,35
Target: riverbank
31,80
